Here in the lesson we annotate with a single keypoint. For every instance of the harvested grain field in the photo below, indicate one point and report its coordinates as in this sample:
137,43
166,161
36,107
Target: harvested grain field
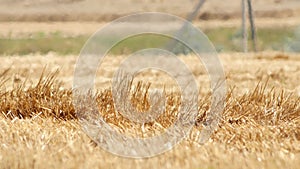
40,41
259,127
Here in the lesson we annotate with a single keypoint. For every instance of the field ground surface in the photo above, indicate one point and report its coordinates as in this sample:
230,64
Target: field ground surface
259,127
40,41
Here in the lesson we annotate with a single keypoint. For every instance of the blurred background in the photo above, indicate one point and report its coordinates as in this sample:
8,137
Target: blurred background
63,26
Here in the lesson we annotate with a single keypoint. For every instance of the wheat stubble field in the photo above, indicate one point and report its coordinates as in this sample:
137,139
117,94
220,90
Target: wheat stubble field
260,125
259,128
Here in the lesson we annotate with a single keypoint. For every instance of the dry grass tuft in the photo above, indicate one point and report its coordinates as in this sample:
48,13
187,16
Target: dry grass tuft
45,99
48,98
260,125
264,106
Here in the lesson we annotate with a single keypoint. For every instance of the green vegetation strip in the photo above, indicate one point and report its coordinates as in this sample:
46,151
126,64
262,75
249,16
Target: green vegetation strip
224,39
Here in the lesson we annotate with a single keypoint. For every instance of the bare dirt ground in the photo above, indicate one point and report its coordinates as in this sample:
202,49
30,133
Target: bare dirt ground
105,10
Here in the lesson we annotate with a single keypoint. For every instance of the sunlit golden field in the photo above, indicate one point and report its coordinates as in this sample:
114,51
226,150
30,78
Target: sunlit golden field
40,41
259,127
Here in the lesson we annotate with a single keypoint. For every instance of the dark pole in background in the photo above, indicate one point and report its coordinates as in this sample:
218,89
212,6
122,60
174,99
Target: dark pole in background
253,30
195,11
182,30
244,28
